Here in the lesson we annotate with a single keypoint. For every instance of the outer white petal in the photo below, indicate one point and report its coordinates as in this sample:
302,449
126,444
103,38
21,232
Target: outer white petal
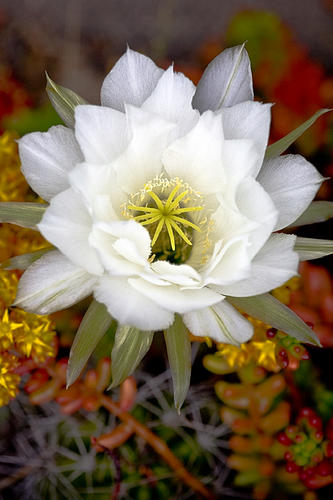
292,183
249,120
101,132
67,224
141,161
131,81
197,157
172,98
173,298
253,201
123,246
227,80
52,283
275,264
220,322
47,157
130,307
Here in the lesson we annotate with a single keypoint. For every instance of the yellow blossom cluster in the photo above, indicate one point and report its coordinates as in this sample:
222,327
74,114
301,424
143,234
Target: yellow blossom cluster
22,335
13,186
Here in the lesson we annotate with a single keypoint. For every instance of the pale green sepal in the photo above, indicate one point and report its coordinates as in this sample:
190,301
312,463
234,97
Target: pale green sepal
270,310
178,345
64,101
25,260
23,214
93,326
317,211
313,248
130,346
280,146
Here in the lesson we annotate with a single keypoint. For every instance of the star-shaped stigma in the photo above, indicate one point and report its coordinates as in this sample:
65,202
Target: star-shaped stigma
166,214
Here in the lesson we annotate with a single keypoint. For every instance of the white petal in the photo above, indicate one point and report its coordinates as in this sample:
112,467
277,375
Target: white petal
129,307
275,264
141,161
101,132
292,183
47,157
123,246
98,190
173,298
172,98
52,283
197,157
183,274
67,224
240,160
229,262
220,322
248,120
227,80
131,81
257,206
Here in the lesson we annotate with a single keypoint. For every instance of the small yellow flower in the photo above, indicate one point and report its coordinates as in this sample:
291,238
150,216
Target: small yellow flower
9,380
235,356
7,331
264,353
36,336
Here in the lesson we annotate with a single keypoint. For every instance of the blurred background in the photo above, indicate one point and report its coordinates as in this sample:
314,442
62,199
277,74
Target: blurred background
77,42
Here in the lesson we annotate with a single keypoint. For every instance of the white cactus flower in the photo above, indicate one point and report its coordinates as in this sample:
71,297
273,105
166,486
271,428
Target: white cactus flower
161,201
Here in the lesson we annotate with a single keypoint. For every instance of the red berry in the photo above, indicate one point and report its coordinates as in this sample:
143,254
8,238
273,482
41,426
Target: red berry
288,456
305,412
315,421
283,353
271,332
283,439
291,467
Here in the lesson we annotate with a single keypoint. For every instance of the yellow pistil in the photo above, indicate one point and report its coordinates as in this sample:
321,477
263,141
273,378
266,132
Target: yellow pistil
166,213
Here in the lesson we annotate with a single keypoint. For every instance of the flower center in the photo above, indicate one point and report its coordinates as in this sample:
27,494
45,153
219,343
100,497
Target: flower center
165,206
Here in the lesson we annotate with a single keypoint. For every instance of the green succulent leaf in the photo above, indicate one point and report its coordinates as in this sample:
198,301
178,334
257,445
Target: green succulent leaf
313,248
270,310
130,346
178,345
64,101
280,146
93,326
25,260
317,211
23,214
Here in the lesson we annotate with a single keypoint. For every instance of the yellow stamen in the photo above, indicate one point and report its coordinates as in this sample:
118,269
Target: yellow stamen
171,235
157,232
166,213
180,232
